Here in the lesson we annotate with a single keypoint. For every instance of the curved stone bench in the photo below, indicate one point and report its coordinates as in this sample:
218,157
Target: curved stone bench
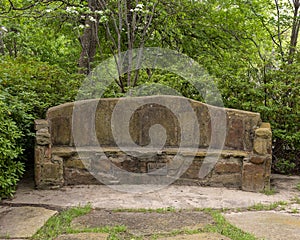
244,162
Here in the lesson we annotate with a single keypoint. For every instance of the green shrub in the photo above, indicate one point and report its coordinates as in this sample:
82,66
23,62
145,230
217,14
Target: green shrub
277,99
10,169
31,87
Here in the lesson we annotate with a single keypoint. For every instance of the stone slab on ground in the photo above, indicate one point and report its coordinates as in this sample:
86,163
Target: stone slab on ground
200,236
268,225
186,197
84,236
22,222
144,223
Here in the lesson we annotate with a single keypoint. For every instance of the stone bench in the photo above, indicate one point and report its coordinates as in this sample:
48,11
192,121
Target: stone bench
81,150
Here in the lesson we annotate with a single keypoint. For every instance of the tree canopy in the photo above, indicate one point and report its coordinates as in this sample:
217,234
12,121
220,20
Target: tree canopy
251,48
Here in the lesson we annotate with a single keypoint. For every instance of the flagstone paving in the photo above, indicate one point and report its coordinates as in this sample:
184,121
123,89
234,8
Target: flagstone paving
145,223
268,225
84,236
22,216
200,236
22,222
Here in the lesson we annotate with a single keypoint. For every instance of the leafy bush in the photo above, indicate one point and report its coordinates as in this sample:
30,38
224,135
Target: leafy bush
277,99
28,88
10,169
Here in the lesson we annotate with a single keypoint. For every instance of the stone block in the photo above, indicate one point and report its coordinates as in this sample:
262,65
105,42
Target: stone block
39,153
251,122
103,164
265,125
52,172
228,166
60,128
74,176
192,171
265,133
226,180
268,164
40,123
258,159
37,174
77,163
235,132
43,137
262,146
253,177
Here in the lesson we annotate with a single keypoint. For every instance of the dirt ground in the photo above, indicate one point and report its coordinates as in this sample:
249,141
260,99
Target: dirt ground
145,223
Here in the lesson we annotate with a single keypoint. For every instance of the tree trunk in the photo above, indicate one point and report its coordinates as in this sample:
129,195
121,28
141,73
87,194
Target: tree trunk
88,41
295,32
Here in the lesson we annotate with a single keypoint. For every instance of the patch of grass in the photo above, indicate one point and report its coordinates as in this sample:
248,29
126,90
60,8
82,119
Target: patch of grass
61,224
223,227
298,186
269,192
267,207
294,210
296,200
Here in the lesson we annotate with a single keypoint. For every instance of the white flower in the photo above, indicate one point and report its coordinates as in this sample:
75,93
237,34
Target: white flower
140,5
92,19
71,10
138,8
81,26
48,10
4,29
100,12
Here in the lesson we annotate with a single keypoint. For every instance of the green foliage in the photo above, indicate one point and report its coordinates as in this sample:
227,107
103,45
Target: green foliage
61,224
10,169
30,88
244,45
223,227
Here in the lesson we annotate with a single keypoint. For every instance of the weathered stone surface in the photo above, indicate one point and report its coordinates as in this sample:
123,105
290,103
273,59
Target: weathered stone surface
250,125
144,223
265,125
267,225
84,236
253,177
51,171
43,137
240,123
235,132
228,166
74,176
199,236
40,123
258,159
262,146
268,164
263,133
153,121
77,163
61,130
263,140
23,222
226,180
193,171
